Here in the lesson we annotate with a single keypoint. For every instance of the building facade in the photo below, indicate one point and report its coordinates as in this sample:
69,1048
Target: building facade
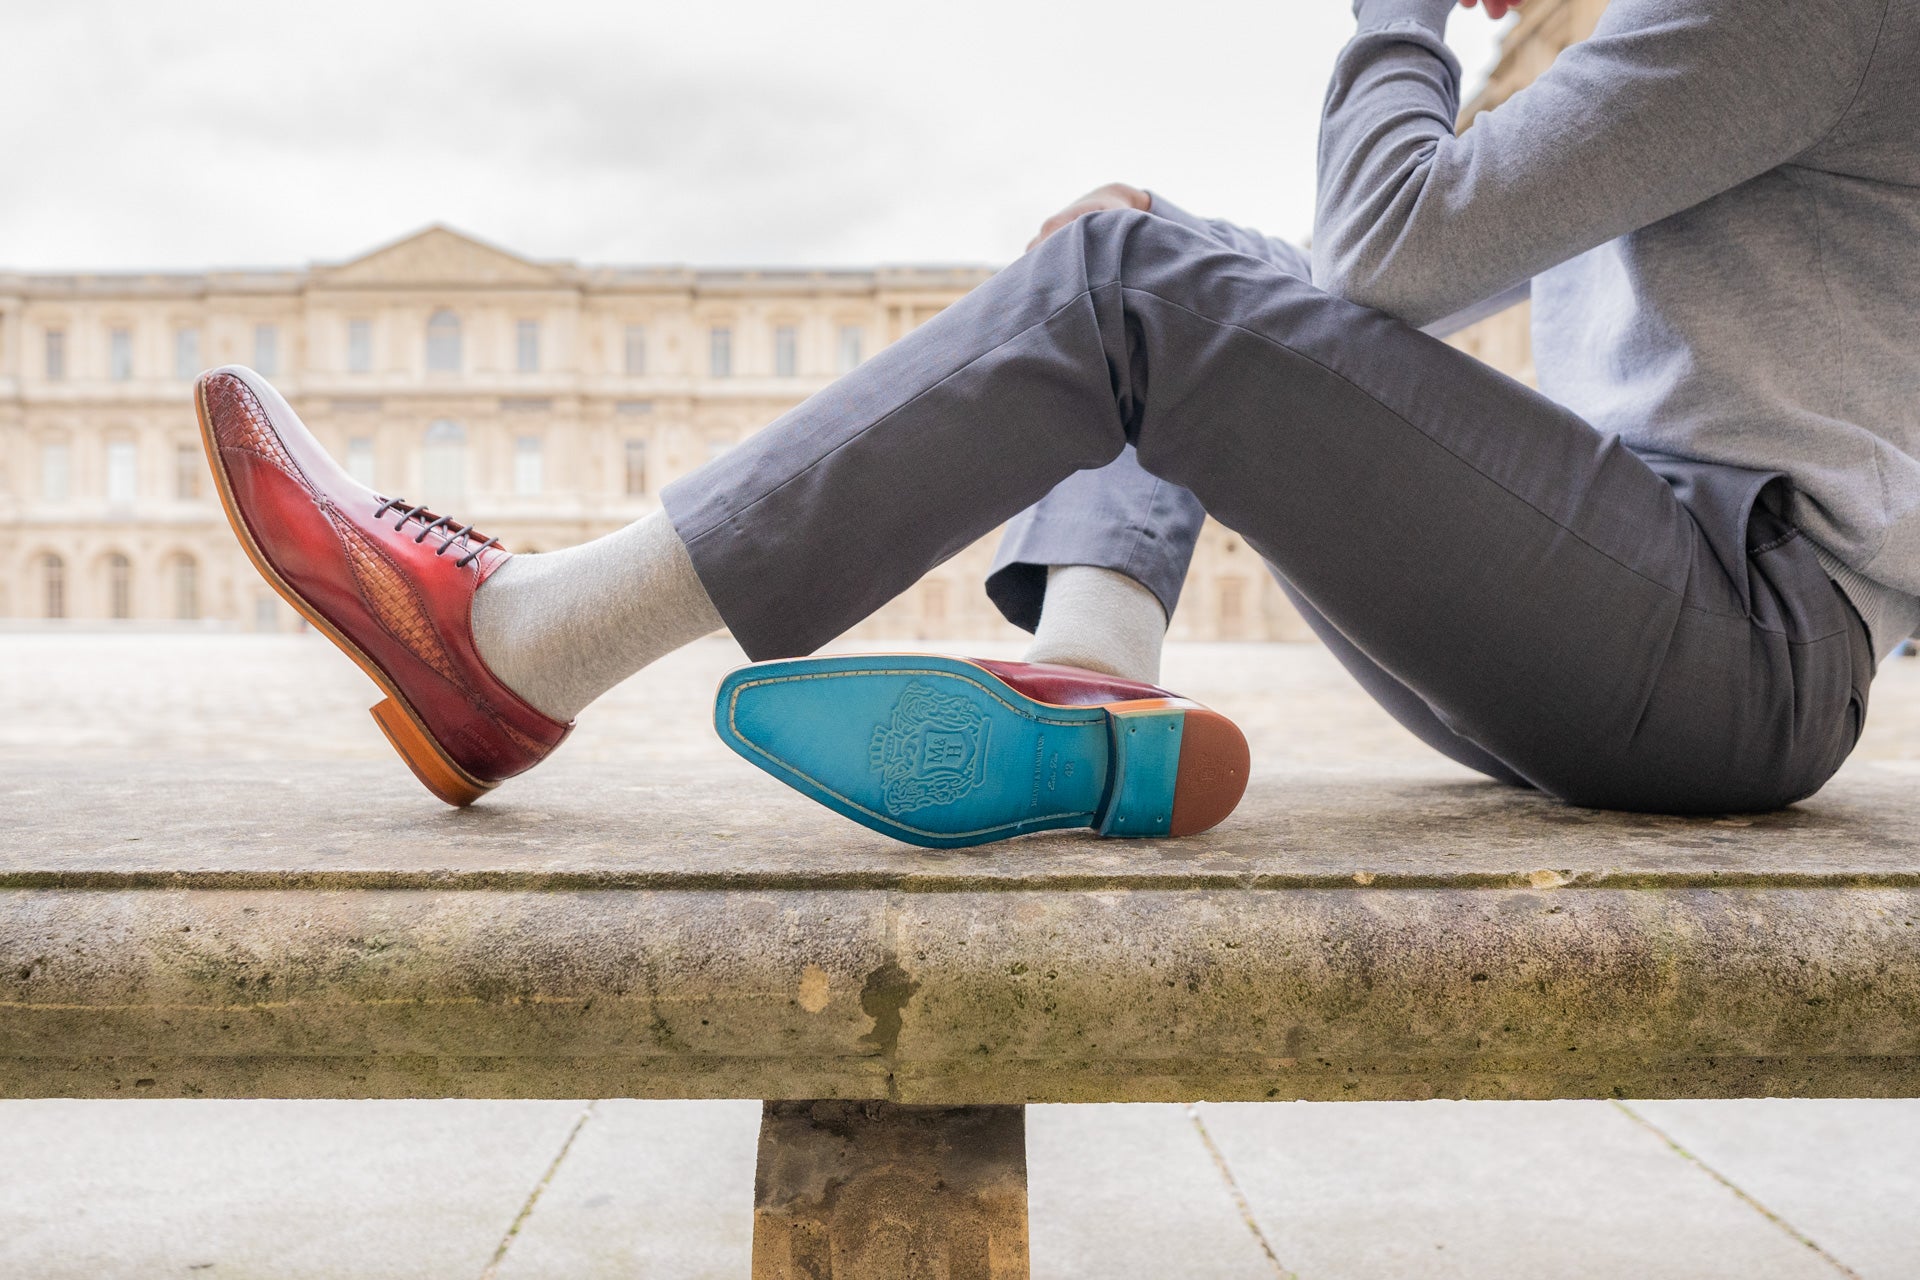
547,402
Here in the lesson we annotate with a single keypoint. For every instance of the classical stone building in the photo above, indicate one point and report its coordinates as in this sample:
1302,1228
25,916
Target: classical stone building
547,402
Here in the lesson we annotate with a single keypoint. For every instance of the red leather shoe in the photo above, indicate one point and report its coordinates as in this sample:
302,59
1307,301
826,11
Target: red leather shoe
392,584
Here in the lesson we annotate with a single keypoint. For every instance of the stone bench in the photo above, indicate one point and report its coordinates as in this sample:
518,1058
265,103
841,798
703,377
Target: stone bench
1391,932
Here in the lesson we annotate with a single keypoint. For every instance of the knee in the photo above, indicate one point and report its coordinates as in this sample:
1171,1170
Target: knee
1107,241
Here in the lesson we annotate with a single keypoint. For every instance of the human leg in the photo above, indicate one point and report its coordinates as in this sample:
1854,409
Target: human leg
563,627
1095,568
1539,586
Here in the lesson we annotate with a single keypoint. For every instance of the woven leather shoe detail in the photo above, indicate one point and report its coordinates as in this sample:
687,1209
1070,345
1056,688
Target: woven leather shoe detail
390,583
391,598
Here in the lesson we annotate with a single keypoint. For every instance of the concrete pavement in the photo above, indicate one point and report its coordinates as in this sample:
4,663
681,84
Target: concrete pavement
1244,1191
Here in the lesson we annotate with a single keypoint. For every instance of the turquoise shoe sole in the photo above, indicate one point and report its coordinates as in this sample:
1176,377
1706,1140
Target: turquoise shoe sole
940,752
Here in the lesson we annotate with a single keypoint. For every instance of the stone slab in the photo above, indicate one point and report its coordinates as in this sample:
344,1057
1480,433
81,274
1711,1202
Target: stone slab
216,880
1844,1174
1462,1191
364,825
249,761
1132,1193
292,1190
647,1189
962,996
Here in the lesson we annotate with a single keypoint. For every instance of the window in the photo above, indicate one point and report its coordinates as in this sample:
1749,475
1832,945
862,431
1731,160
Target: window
717,448
636,468
636,350
186,353
1233,609
443,470
120,354
851,338
934,603
359,346
123,471
53,586
185,573
720,353
119,586
360,459
188,468
526,346
56,471
266,349
443,342
56,354
786,351
529,466
266,613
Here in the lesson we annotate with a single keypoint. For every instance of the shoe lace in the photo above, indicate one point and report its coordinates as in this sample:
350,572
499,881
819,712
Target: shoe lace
441,526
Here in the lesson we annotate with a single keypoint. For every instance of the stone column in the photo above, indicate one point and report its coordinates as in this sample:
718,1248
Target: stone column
879,1191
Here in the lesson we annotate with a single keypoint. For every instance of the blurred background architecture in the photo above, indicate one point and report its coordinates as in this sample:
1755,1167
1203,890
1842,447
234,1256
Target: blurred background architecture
549,402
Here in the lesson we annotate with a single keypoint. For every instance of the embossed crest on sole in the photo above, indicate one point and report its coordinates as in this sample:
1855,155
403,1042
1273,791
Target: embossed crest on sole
931,751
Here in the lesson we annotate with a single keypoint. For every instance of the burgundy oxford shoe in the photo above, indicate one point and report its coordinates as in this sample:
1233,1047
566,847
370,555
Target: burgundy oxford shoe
391,583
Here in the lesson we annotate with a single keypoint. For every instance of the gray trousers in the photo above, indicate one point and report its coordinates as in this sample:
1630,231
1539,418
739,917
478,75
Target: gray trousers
1530,597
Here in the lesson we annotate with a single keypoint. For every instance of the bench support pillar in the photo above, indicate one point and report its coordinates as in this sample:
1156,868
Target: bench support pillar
880,1191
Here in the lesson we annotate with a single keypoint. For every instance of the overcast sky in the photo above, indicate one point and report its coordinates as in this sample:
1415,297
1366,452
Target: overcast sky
169,133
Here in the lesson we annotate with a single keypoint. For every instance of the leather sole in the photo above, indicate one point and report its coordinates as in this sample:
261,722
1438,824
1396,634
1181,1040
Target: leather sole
396,717
942,753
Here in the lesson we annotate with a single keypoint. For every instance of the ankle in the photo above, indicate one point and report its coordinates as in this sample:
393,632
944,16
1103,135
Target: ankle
562,628
1100,620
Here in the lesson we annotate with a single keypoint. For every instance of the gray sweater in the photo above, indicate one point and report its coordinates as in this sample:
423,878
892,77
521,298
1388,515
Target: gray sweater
1717,206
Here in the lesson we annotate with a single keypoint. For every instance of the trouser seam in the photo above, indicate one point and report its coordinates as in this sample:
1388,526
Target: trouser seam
1141,530
1401,417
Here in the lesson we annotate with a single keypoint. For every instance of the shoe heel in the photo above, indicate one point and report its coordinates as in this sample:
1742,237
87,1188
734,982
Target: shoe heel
1214,764
1178,769
1145,742
436,773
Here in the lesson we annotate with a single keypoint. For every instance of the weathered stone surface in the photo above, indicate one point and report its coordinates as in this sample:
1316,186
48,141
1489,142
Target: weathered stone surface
690,826
669,923
875,1191
961,997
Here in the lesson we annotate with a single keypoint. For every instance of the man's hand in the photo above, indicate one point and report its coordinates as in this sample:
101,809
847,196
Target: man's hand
1115,195
1496,9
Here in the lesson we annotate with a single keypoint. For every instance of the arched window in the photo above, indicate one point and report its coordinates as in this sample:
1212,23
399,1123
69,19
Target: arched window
185,574
53,586
443,465
443,342
119,586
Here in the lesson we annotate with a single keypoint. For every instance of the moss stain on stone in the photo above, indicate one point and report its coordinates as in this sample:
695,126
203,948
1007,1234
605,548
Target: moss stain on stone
883,999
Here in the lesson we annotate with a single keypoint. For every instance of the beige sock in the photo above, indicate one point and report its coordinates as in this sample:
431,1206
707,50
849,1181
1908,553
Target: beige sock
562,628
1101,620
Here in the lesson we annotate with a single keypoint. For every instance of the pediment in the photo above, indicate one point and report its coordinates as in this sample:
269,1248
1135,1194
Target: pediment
437,257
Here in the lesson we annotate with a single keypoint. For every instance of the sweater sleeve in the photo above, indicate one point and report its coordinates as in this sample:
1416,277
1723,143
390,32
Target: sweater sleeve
1669,103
